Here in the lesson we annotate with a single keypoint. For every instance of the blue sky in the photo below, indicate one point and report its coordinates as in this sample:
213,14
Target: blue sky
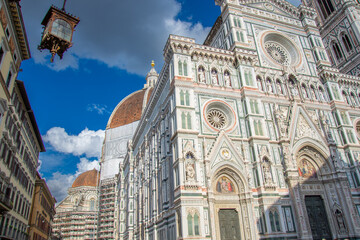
114,44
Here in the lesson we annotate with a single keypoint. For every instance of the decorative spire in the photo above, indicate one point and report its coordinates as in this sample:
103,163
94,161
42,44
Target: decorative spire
152,76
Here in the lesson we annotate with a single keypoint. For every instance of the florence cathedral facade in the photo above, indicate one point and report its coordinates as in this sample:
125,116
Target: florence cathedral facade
253,134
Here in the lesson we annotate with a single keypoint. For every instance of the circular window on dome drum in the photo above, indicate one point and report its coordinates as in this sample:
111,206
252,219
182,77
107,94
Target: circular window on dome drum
280,49
219,115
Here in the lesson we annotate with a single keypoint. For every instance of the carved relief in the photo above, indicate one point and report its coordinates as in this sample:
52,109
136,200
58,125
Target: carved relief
281,117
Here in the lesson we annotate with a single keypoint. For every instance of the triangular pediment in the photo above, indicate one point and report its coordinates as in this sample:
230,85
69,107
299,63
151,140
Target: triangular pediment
225,152
303,127
280,7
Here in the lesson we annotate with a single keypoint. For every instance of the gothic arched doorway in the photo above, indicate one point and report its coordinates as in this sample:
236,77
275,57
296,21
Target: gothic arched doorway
319,203
231,206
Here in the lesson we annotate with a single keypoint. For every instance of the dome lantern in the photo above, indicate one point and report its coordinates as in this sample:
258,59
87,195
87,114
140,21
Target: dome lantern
58,31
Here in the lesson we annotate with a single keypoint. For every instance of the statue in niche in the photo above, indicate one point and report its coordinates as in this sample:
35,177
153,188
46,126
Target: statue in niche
267,172
281,114
190,171
269,86
279,88
201,72
340,220
224,185
293,88
214,77
227,79
324,121
306,169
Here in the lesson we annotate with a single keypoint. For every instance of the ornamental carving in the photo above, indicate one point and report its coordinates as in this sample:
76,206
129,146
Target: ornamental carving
278,53
303,129
216,118
281,117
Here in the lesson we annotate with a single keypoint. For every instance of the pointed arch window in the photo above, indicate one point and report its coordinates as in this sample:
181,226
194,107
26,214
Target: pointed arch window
180,68
193,224
187,98
326,7
337,51
182,100
188,121
274,221
259,83
304,91
347,43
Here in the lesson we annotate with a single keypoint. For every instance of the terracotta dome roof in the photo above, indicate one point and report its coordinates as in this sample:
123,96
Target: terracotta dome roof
89,178
130,108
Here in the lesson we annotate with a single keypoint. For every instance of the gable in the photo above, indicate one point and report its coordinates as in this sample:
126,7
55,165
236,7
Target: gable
280,7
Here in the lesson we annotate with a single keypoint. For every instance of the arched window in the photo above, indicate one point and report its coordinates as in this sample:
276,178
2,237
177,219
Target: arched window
259,83
196,224
274,221
190,224
180,68
346,97
187,98
193,224
188,121
321,94
347,43
62,29
313,93
92,204
337,51
326,7
353,99
304,91
185,68
182,100
183,120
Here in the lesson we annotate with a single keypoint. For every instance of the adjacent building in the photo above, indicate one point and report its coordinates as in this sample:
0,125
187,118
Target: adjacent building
76,216
42,211
252,135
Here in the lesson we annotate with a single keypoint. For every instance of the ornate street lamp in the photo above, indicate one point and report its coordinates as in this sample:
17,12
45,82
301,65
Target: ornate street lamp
58,31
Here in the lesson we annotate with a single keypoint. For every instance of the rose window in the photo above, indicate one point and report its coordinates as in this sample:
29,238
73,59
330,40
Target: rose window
216,118
277,52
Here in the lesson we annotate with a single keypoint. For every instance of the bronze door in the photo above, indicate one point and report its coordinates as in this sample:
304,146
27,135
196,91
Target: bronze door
319,224
229,224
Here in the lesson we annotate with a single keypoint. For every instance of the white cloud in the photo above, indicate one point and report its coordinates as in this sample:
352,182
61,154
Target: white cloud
60,183
87,142
100,109
122,34
86,165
